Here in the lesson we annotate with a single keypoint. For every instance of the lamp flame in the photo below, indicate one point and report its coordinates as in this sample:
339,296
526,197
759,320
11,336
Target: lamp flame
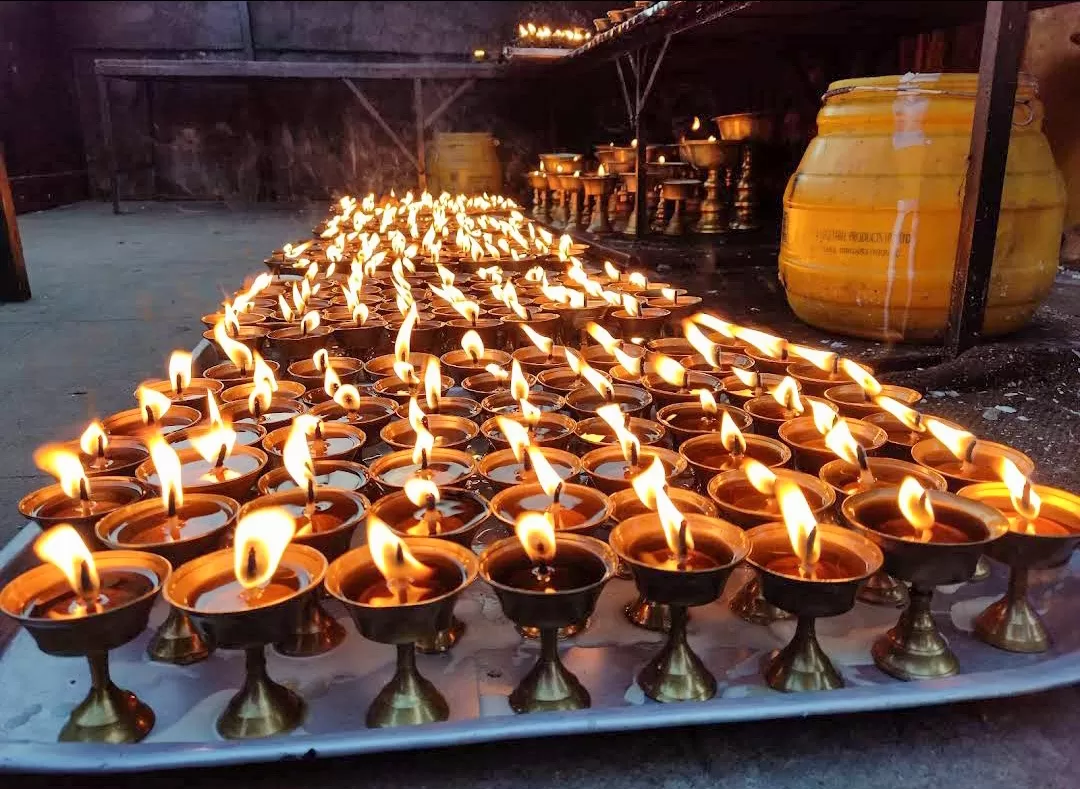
152,404
786,394
260,541
179,371
959,442
421,492
348,397
670,370
331,381
801,525
914,503
517,436
710,321
432,383
908,417
215,444
730,435
63,548
844,446
707,402
766,344
824,417
826,361
536,531
761,477
65,465
550,481
1024,499
473,345
616,419
296,454
545,344
519,384
404,335
93,441
167,465
238,353
631,305
321,360
394,560
866,382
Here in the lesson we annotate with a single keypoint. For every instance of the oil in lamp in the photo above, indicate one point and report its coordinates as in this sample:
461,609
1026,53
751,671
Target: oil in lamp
543,428
710,454
782,404
155,411
215,464
747,497
449,431
399,591
811,438
586,401
547,580
180,387
246,597
680,560
101,455
611,468
262,407
473,357
326,440
422,509
813,570
519,400
445,467
929,539
342,474
507,467
83,604
75,498
1044,528
312,372
669,382
688,419
178,528
325,520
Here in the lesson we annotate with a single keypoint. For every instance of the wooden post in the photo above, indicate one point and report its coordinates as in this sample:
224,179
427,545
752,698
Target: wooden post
1004,34
14,284
421,153
105,118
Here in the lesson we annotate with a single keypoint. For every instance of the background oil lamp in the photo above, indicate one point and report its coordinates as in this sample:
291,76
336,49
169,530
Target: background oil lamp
681,560
546,581
586,401
326,440
538,183
155,411
669,382
493,379
262,408
472,358
177,527
743,385
904,427
240,367
961,458
596,432
929,539
543,428
325,393
770,354
710,454
747,497
1044,528
246,597
448,431
519,399
367,413
445,467
312,372
343,474
400,591
302,339
247,433
634,320
76,499
598,187
812,570
325,520
782,404
102,455
812,438
611,468
180,387
83,604
688,419
820,370
711,155
507,467
215,465
858,399
677,302
542,354
421,509
365,336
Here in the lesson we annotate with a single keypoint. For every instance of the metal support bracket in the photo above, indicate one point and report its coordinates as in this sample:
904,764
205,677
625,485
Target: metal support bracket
365,102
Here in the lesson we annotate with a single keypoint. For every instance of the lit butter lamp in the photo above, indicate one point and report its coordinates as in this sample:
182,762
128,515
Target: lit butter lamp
103,455
541,354
577,373
301,339
216,464
688,419
177,527
547,580
311,372
449,431
571,507
240,367
669,382
181,388
445,467
680,560
513,466
963,460
770,354
929,539
612,353
1044,528
852,472
75,498
247,433
818,370
595,432
782,404
246,597
83,604
493,379
325,519
472,357
399,591
811,438
264,377
155,411
405,383
519,398
326,440
747,497
743,385
422,509
611,468
262,406
633,320
813,570
860,398
370,414
544,428
677,302
586,400
905,427
709,454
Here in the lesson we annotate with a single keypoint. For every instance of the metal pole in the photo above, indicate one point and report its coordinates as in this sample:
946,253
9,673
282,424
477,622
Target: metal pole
105,115
640,204
1004,32
14,284
421,155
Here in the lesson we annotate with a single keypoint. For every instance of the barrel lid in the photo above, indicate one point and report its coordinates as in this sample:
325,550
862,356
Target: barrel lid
961,84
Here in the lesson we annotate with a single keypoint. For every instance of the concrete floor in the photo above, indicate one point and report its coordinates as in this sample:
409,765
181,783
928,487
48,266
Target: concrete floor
114,295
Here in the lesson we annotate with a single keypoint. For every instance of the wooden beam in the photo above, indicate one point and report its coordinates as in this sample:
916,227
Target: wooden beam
107,141
374,113
14,284
1004,34
421,153
448,102
247,36
284,69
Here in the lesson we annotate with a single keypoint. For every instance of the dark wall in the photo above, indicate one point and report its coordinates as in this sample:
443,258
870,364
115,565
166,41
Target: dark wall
39,131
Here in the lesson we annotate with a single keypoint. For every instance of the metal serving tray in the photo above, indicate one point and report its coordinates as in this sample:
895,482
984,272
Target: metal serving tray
37,691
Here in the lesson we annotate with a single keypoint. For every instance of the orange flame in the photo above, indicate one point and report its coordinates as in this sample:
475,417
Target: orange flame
650,487
93,440
631,446
786,394
170,478
959,442
536,531
320,360
760,476
63,548
708,402
549,479
215,444
404,335
261,539
730,436
425,441
824,417
261,396
473,345
914,503
801,525
432,383
766,344
1024,499
710,321
844,445
631,305
612,272
422,492
179,371
296,454
544,343
519,384
152,404
331,381
517,436
827,361
394,560
670,370
64,464
866,382
348,397
238,353
908,417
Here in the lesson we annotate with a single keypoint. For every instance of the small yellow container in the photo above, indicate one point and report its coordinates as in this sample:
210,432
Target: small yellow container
872,214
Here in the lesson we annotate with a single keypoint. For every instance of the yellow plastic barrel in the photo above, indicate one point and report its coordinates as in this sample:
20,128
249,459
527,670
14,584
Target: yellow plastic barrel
872,214
465,162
